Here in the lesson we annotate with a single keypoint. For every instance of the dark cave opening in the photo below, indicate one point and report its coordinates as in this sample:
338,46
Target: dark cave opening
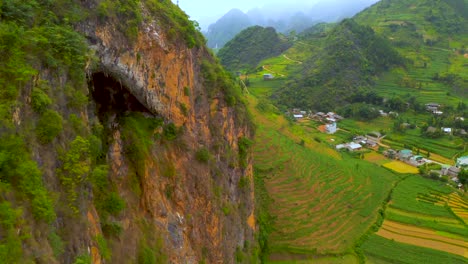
112,98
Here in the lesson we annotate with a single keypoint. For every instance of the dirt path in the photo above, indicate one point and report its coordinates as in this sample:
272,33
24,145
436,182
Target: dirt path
268,70
245,86
286,57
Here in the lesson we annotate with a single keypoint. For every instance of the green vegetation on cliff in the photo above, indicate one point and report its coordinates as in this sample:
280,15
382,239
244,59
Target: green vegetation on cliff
59,195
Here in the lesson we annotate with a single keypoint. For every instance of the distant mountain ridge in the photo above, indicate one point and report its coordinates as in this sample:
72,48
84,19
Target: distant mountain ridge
283,17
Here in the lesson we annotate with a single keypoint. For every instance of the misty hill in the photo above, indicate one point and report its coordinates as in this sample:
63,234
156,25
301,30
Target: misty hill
351,55
283,17
410,22
251,46
432,34
226,28
428,34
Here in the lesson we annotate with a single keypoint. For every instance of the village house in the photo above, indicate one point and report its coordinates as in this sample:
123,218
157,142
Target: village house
450,171
417,160
349,146
268,76
405,154
371,144
390,153
462,162
382,113
446,130
360,140
431,107
354,146
331,128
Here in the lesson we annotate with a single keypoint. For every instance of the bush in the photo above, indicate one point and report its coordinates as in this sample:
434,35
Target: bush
184,109
186,91
8,215
103,247
113,204
111,229
39,100
57,244
170,131
146,256
202,155
76,165
31,184
244,145
49,126
77,99
83,259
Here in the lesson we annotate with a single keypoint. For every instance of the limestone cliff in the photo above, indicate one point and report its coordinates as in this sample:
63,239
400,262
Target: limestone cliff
153,167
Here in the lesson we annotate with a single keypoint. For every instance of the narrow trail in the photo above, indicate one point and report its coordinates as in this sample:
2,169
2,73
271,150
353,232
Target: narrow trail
286,57
268,70
245,86
303,43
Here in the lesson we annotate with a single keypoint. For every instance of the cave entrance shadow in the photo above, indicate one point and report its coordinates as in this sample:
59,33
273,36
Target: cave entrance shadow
112,98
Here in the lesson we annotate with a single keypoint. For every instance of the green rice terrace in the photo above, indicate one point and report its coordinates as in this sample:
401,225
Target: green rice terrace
326,206
331,207
320,205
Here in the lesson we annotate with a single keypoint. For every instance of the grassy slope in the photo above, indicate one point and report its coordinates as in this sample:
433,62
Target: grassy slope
407,205
403,22
307,193
381,250
322,202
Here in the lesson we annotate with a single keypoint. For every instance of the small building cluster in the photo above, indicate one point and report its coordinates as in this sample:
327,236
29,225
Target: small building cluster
408,157
330,119
434,108
389,114
298,113
361,141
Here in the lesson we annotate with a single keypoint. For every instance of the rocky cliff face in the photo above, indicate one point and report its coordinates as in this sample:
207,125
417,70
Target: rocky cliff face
171,179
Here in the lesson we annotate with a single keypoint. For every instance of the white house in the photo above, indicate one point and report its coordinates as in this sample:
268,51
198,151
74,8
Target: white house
447,130
354,146
462,162
268,76
331,128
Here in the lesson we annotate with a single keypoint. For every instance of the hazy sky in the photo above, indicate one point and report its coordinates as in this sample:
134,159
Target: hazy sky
199,9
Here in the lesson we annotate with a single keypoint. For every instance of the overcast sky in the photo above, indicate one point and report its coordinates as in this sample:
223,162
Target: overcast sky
200,9
208,11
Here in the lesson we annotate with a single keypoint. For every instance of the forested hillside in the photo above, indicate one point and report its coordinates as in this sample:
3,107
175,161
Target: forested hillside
251,46
345,65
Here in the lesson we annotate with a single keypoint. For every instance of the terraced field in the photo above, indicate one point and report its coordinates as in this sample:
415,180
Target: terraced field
380,250
401,167
322,204
424,238
427,214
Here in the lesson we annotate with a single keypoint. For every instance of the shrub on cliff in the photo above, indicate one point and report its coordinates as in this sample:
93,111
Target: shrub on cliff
48,126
